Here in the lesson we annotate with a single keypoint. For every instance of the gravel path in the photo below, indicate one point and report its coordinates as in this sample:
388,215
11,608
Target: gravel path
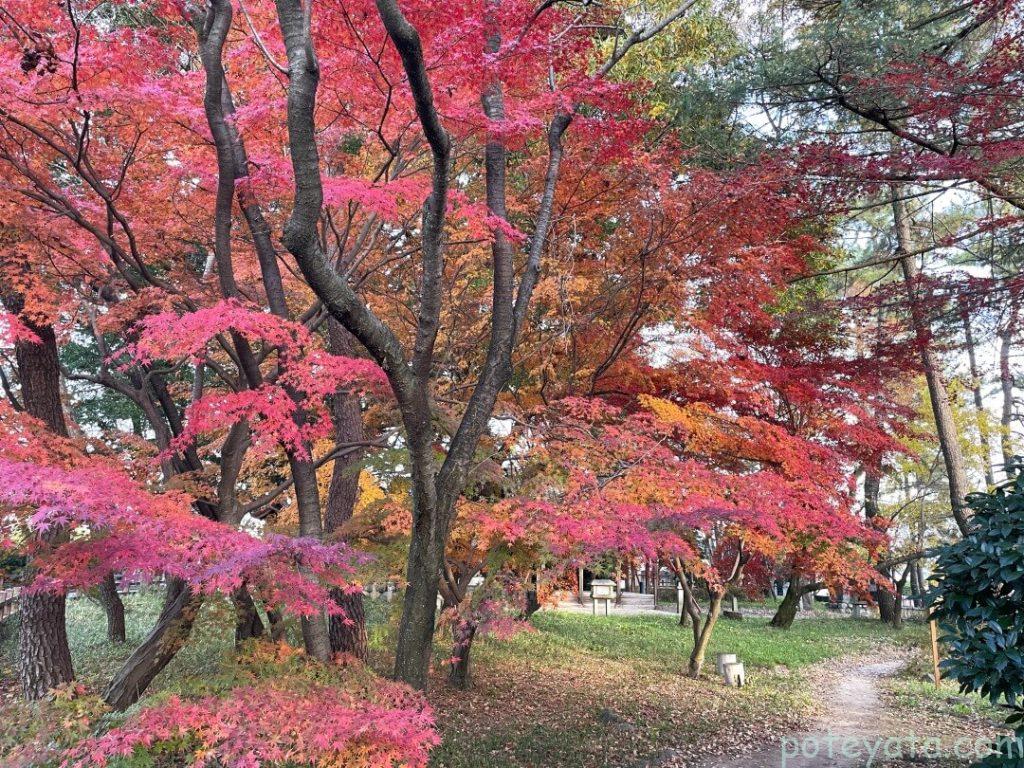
849,730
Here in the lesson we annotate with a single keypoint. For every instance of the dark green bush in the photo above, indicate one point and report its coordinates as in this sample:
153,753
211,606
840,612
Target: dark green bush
979,604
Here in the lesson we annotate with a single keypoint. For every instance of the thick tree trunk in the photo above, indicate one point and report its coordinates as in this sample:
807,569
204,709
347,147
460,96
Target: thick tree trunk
44,661
169,634
890,604
248,624
462,633
277,628
887,607
416,630
44,654
348,632
532,603
945,425
785,614
315,633
113,607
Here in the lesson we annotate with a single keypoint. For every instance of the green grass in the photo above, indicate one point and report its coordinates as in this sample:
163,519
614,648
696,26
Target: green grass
660,641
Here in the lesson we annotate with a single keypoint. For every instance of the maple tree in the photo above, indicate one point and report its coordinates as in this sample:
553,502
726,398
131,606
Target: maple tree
513,34
117,264
252,254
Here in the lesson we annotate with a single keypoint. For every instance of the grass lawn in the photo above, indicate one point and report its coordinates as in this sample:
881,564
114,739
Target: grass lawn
575,691
586,691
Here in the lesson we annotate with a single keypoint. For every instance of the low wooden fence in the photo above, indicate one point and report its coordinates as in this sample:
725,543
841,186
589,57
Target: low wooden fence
8,601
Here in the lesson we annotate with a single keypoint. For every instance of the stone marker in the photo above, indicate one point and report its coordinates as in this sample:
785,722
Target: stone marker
734,675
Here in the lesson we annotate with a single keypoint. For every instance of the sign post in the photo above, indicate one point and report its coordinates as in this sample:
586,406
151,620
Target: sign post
934,630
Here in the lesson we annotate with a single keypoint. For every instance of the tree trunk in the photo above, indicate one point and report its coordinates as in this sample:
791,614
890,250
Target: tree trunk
248,624
887,607
114,608
689,610
44,659
532,602
890,604
169,634
315,633
348,632
44,655
277,628
462,633
703,637
212,30
945,425
416,629
785,615
1006,335
981,415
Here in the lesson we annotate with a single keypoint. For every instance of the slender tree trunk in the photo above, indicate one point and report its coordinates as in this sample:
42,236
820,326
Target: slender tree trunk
212,28
703,636
169,634
915,584
949,439
315,632
113,607
980,413
689,611
1006,336
462,633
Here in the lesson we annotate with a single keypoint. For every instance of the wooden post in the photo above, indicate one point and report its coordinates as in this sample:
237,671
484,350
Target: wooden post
934,630
656,581
579,584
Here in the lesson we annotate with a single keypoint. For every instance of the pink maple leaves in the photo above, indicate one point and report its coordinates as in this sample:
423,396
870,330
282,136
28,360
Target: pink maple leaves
115,524
263,724
307,375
